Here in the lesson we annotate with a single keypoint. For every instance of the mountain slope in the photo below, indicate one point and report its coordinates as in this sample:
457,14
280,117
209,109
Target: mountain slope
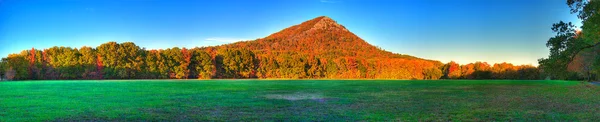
338,52
321,36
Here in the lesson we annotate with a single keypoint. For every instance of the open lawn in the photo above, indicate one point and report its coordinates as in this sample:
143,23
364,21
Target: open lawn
298,100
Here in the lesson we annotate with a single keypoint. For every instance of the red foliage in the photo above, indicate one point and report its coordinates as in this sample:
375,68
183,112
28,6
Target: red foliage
453,67
187,57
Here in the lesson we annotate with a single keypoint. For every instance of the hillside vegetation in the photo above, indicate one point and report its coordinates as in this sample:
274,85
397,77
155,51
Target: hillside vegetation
316,49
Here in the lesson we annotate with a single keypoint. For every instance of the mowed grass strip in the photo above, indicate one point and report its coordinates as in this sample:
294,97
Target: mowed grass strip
299,100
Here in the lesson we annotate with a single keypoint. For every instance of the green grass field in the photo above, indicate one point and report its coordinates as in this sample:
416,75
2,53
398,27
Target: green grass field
298,100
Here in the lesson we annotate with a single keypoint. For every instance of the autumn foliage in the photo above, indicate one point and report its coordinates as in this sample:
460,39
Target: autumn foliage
482,70
318,48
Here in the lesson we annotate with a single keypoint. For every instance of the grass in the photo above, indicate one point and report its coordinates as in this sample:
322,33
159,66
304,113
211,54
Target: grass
299,100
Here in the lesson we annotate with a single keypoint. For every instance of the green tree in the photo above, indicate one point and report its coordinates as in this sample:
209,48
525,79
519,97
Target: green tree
268,68
109,54
88,62
202,65
156,65
563,46
237,63
528,72
568,43
16,67
587,11
139,64
151,61
293,66
65,61
127,60
2,69
331,69
315,68
173,58
432,73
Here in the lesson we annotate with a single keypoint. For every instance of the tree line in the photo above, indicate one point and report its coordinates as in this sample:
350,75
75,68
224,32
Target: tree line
482,70
128,61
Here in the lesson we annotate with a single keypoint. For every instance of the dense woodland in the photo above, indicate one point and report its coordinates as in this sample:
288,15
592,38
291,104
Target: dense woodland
128,61
316,49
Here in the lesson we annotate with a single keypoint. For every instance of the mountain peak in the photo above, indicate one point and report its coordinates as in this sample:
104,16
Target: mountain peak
323,18
321,24
324,22
320,36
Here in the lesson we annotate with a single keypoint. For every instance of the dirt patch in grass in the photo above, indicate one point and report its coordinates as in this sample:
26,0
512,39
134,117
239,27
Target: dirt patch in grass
297,96
86,118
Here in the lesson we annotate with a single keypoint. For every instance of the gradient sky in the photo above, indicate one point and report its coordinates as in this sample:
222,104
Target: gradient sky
464,31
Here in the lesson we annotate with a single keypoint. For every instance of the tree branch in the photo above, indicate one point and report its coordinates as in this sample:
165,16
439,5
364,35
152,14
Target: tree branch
577,52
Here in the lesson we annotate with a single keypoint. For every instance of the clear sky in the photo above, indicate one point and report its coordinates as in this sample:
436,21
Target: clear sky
464,31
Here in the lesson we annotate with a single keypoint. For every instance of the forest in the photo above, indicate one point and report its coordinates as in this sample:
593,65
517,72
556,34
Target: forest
128,61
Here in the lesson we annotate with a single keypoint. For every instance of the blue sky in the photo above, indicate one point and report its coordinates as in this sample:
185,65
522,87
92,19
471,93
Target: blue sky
460,30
